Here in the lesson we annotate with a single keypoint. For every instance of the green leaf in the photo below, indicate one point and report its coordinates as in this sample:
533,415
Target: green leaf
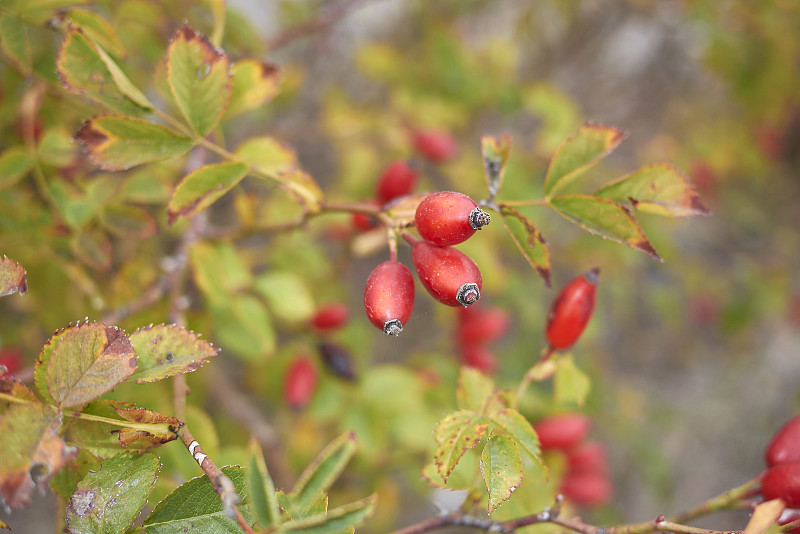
318,506
167,350
39,11
57,147
124,84
529,241
15,43
592,143
519,428
254,84
201,188
129,222
93,247
243,326
217,8
219,270
262,489
17,390
495,152
30,450
605,218
119,143
14,165
83,71
337,520
474,390
501,469
324,470
457,433
66,481
13,278
97,28
287,294
107,501
82,362
101,438
198,77
570,385
660,189
267,154
195,508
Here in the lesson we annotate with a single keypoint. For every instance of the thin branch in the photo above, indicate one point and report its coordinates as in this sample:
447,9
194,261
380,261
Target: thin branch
326,18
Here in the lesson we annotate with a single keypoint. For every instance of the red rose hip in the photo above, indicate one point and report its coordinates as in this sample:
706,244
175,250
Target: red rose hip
562,432
478,325
782,482
329,317
389,297
587,488
300,383
397,180
448,218
785,444
571,310
449,275
480,358
435,146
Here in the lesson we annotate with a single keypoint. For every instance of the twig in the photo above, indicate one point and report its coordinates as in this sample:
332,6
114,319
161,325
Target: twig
308,27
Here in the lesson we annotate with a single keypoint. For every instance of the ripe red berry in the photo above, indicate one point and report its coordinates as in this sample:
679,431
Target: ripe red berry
448,218
562,432
397,180
11,359
338,360
785,444
329,317
364,222
588,456
782,482
435,146
587,488
300,383
480,358
449,275
389,296
478,325
571,311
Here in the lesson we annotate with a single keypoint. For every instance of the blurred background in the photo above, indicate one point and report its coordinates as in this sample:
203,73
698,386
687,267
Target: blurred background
694,362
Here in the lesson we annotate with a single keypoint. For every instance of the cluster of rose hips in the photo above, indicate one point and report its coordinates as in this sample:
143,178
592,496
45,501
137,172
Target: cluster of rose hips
442,219
300,381
478,327
781,480
586,480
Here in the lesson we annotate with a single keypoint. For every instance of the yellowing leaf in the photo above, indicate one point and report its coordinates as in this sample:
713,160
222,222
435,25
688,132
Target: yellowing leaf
529,241
254,84
201,188
456,434
604,218
474,390
13,278
592,143
660,189
119,143
97,29
267,154
129,222
764,516
167,350
519,428
501,468
324,470
570,385
14,165
80,363
151,427
495,152
198,77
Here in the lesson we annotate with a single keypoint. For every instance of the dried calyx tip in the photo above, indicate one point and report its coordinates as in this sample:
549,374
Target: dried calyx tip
393,327
592,275
478,218
468,294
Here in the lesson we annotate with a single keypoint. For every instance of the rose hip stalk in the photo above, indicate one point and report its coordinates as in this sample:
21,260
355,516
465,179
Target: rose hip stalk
449,275
571,310
448,218
389,297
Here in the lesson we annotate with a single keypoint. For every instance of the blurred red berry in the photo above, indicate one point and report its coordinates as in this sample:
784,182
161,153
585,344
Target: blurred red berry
338,360
397,180
770,140
784,446
449,218
588,456
587,488
704,177
704,309
562,432
11,358
449,275
389,297
300,383
435,145
480,358
782,482
571,310
481,325
329,317
364,222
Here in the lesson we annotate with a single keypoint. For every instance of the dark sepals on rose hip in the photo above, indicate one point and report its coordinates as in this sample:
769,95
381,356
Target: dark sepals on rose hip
338,360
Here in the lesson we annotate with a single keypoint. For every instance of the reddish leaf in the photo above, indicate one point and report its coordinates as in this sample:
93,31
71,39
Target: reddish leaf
13,278
151,427
167,350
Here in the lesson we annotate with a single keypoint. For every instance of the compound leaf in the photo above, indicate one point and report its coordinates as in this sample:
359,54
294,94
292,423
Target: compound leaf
529,241
456,434
202,187
254,84
520,429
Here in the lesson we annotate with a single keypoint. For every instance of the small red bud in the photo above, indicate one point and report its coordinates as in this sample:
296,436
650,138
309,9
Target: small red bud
300,383
435,146
571,310
448,218
782,482
449,275
331,316
397,180
389,297
562,432
784,446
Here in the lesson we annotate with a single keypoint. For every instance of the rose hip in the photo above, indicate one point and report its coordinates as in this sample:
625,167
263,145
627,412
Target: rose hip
562,432
449,275
300,383
389,297
448,218
397,180
782,482
435,146
571,310
784,446
329,317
